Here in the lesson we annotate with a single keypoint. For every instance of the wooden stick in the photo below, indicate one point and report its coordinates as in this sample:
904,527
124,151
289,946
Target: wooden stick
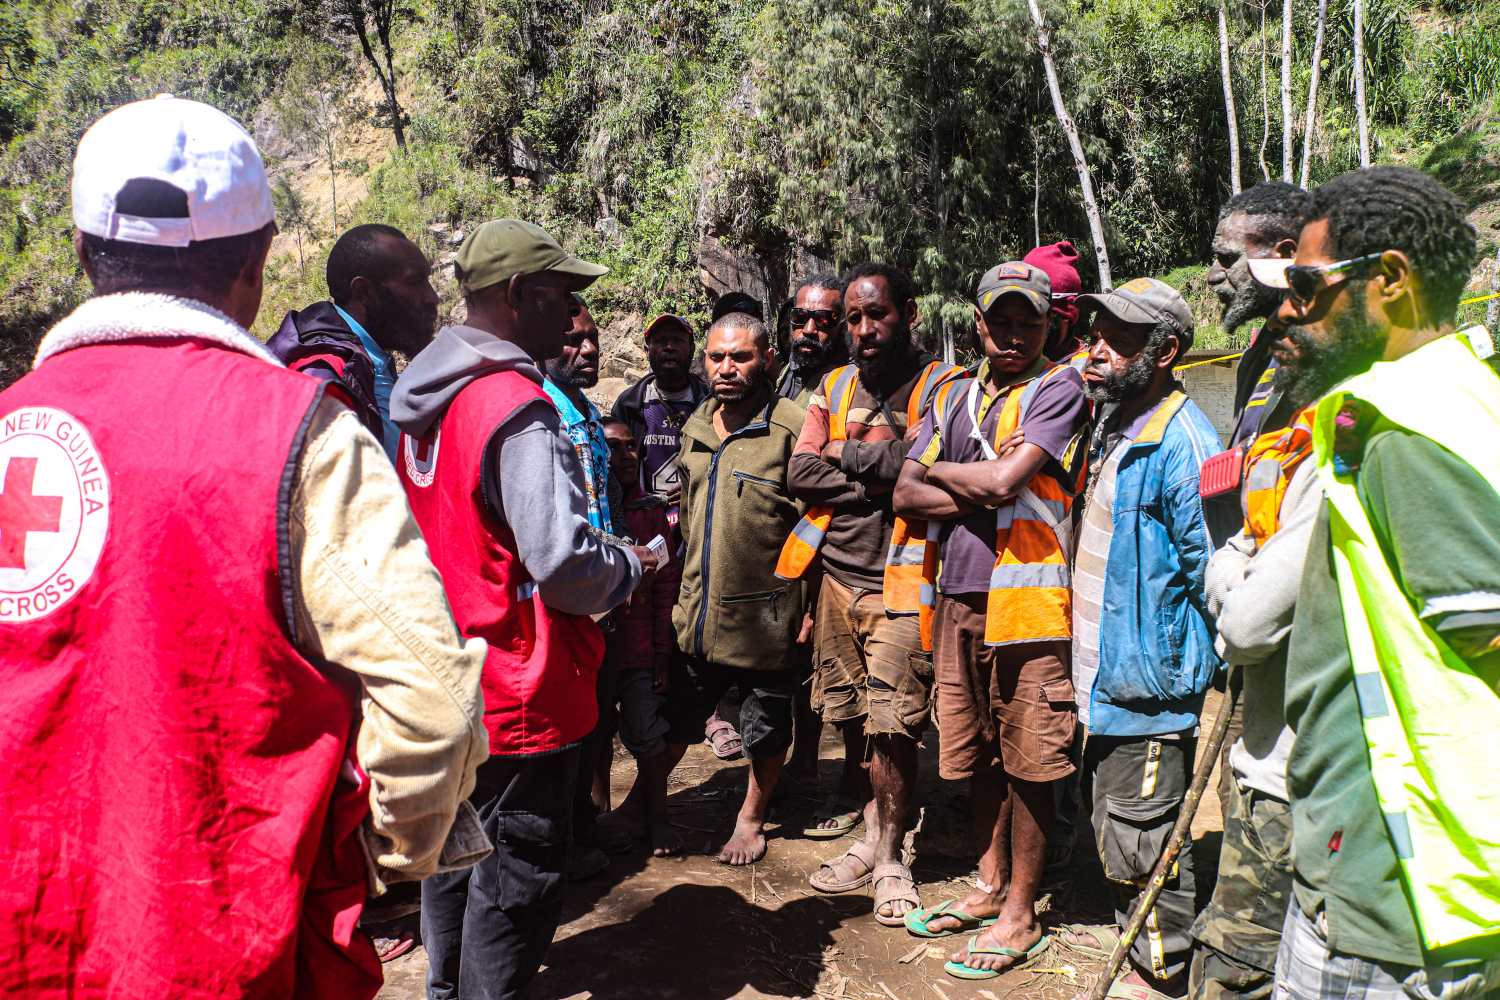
1173,847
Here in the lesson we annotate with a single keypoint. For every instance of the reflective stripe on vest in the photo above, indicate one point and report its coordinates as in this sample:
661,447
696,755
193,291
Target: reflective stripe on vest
1429,720
910,561
1030,597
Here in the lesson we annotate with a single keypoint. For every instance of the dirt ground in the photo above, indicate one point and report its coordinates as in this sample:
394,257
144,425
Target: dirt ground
692,929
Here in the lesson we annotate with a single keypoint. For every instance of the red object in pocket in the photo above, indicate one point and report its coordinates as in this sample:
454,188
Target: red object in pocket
1221,474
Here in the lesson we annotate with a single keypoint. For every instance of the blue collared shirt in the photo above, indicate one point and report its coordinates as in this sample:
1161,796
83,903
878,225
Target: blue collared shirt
585,429
385,381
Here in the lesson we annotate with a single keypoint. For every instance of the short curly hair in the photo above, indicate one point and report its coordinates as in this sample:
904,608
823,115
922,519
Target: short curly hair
1398,208
903,289
1279,209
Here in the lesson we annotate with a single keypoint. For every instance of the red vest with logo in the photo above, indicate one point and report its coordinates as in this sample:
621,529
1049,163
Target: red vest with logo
179,811
540,670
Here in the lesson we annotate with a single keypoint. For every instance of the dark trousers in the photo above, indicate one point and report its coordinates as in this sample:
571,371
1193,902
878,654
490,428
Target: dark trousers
487,928
1138,785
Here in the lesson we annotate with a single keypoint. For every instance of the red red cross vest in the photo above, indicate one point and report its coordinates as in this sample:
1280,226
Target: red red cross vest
540,671
180,811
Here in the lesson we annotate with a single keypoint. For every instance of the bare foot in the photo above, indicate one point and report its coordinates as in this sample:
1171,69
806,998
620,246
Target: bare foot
745,846
977,903
621,822
1001,935
666,842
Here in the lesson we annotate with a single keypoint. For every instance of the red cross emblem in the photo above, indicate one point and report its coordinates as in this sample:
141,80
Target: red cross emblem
23,512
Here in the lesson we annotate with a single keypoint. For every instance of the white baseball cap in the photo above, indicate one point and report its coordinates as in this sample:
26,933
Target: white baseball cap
195,148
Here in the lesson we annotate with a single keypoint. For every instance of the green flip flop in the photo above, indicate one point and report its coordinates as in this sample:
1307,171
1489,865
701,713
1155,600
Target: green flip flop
918,919
959,970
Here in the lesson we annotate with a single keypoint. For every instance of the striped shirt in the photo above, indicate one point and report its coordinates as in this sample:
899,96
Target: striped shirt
1088,578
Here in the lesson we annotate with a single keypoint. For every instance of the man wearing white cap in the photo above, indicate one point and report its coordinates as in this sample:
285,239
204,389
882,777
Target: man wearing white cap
236,697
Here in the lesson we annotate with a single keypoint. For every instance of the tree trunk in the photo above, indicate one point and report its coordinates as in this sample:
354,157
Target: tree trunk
1312,92
384,14
333,179
1265,97
1085,181
1359,83
1287,151
1229,112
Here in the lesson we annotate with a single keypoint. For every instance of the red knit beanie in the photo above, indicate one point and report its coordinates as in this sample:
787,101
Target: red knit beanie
1060,261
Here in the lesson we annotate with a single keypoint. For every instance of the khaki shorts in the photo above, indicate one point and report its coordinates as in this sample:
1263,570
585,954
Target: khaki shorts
869,664
1015,699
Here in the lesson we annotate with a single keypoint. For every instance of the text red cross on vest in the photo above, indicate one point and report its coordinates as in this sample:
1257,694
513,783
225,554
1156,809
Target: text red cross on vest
22,512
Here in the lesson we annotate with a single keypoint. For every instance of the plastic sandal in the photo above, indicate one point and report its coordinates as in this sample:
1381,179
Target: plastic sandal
958,970
918,919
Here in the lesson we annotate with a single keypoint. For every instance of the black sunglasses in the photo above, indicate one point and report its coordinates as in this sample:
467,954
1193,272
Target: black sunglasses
1305,281
822,318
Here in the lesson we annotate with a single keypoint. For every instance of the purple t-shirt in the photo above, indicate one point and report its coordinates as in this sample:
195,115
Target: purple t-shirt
1056,414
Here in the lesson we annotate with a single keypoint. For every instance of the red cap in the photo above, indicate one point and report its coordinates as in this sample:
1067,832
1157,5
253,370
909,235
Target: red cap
1060,261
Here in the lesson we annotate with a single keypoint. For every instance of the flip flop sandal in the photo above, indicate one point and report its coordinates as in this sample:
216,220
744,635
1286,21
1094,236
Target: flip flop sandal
1019,959
725,740
388,949
845,819
905,890
1106,934
918,919
1121,990
861,852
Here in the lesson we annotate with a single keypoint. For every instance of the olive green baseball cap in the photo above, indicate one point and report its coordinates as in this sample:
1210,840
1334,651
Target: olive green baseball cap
1015,277
503,248
1144,300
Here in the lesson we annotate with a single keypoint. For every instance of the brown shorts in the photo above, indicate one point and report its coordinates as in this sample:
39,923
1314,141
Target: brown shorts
1015,699
868,664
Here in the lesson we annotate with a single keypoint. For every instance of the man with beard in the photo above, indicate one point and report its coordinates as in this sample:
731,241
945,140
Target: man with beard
871,677
1392,671
1261,222
383,302
1001,627
1143,647
734,619
656,407
817,343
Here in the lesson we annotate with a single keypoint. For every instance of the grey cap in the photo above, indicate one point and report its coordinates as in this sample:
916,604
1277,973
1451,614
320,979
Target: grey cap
1145,300
1019,278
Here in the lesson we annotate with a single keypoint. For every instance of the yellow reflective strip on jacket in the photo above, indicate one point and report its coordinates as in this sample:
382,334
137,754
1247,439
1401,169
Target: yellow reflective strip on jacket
927,594
801,546
1031,594
1429,720
1271,461
906,560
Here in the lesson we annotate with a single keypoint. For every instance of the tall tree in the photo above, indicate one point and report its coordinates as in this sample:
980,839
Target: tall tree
1085,181
1286,90
1359,83
360,17
1265,96
1229,113
1312,92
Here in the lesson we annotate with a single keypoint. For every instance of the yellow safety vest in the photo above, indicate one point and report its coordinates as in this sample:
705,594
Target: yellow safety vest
1270,463
908,548
1429,720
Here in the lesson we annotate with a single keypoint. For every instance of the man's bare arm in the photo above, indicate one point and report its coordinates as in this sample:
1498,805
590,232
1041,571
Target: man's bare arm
917,497
992,483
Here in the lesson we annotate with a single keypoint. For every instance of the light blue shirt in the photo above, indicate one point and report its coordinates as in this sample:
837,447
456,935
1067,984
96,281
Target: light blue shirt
385,381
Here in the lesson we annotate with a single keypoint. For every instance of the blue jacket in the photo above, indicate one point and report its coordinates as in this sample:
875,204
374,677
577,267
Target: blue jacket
1156,641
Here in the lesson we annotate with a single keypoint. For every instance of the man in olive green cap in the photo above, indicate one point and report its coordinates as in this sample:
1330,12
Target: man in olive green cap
496,488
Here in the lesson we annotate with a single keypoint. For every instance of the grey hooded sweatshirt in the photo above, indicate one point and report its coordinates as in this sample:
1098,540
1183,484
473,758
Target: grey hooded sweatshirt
532,479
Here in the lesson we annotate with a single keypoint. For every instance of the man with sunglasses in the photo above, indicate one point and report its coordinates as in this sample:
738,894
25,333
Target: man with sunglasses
816,344
1393,664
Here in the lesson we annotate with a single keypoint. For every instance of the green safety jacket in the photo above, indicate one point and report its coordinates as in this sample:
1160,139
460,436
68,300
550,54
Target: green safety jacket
1430,722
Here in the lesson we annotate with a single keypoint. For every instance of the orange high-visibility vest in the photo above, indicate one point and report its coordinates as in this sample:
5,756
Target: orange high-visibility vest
1030,598
908,549
1269,464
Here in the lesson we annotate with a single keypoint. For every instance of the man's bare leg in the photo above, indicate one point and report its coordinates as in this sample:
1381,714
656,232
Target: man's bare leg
644,811
1030,807
854,780
807,731
992,824
747,844
893,776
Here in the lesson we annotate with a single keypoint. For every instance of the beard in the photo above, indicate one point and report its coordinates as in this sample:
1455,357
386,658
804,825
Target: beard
810,352
736,390
1132,382
569,375
883,366
1254,301
1356,344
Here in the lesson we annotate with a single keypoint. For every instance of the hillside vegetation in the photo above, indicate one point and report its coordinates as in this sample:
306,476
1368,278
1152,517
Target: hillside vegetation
695,145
